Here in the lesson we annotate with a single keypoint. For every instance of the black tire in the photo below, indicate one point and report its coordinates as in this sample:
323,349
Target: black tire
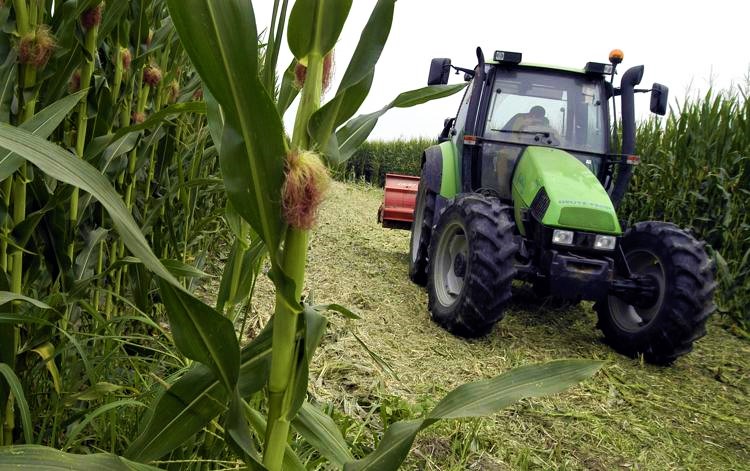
421,230
468,292
667,329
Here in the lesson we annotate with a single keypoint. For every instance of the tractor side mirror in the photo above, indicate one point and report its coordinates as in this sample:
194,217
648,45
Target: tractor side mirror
440,70
659,99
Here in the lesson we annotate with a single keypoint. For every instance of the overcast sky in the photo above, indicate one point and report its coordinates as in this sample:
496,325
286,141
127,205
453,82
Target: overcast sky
684,45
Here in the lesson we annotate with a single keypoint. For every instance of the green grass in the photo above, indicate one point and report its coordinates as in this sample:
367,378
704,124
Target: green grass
693,415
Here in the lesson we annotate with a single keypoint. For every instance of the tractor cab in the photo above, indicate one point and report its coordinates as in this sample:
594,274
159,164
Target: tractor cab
509,106
532,106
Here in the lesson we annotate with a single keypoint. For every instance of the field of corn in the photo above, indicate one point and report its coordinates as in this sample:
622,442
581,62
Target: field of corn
165,289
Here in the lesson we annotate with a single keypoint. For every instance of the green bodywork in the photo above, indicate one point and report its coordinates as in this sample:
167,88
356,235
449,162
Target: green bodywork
450,185
577,199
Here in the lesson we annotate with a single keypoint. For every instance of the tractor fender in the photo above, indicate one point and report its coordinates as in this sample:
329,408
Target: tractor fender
441,169
439,173
432,168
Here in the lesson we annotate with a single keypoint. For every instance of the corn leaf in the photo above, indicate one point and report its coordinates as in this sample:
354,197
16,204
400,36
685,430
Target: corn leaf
96,392
89,417
243,232
87,257
271,55
202,334
215,119
258,422
41,124
179,413
62,165
215,35
314,325
197,398
7,85
46,352
238,434
42,458
115,11
288,91
116,149
315,26
101,143
356,82
356,131
240,273
23,406
478,399
320,431
343,310
7,296
183,270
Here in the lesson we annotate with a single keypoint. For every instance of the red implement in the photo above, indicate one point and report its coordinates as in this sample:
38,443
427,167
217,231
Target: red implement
397,211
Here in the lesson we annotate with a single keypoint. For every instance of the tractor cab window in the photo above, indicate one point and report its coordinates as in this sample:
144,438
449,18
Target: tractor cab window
559,109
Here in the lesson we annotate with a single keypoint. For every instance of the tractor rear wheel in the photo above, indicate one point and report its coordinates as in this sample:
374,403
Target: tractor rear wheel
472,256
666,329
421,229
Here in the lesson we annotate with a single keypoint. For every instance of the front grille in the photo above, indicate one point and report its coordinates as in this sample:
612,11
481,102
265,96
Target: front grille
539,205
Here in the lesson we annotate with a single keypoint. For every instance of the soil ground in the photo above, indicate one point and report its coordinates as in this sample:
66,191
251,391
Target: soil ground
692,415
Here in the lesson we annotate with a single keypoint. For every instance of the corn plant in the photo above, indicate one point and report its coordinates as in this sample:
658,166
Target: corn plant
73,75
247,398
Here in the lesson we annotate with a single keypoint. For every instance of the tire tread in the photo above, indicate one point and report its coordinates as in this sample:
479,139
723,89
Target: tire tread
490,231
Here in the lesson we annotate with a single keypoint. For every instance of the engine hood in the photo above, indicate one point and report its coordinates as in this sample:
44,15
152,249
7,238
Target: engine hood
560,191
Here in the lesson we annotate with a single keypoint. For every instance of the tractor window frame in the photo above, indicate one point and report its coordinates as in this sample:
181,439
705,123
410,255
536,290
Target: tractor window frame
462,114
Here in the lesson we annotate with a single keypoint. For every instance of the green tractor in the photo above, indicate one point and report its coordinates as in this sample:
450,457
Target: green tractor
524,184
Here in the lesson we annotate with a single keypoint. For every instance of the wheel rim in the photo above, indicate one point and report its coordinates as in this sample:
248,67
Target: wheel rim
451,257
632,318
416,230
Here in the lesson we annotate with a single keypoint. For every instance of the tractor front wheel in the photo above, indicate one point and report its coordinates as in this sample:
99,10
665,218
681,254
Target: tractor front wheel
471,268
679,267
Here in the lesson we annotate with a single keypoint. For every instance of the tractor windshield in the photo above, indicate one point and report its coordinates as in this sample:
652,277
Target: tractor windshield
547,107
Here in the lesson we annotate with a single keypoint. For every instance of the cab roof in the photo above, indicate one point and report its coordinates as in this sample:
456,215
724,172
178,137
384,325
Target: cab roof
542,66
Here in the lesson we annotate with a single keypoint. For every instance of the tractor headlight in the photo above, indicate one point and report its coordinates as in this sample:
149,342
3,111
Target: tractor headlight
561,237
605,242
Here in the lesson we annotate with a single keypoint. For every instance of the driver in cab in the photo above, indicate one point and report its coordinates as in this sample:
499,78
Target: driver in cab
535,117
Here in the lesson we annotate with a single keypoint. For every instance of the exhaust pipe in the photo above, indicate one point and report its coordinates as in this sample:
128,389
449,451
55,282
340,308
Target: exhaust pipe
630,79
